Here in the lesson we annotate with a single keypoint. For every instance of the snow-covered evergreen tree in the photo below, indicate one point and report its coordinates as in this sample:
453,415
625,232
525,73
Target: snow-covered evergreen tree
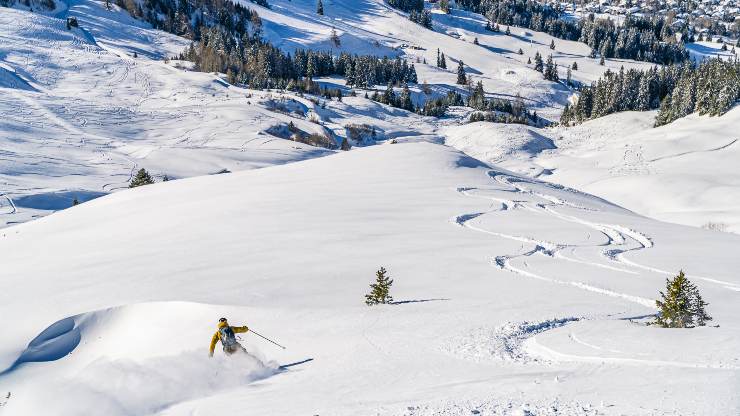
551,70
380,290
462,78
404,100
643,94
538,65
681,305
141,178
320,8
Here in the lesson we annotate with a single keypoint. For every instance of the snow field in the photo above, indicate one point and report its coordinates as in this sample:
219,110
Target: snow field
298,275
491,265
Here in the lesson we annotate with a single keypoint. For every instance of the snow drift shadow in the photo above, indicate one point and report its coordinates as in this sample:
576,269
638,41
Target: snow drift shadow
403,302
53,343
11,79
138,387
53,201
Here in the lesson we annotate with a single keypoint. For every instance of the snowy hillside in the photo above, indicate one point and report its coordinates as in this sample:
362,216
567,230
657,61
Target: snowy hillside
686,172
526,260
512,294
82,113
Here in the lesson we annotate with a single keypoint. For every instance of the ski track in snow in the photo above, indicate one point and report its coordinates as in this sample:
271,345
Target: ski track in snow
533,346
517,341
505,342
620,239
616,237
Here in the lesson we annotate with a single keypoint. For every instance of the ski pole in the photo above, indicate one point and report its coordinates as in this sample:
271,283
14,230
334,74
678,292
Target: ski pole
267,339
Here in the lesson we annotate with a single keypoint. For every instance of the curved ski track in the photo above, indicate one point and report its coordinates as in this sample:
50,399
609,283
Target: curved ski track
619,239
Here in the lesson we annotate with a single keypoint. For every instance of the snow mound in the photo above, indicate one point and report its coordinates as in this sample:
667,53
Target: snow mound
493,143
115,386
110,354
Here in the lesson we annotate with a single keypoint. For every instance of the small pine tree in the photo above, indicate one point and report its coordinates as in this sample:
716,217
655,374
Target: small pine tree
380,290
142,178
552,44
508,31
475,42
404,101
538,65
601,61
681,306
529,61
520,51
320,8
345,145
575,66
75,202
443,61
462,79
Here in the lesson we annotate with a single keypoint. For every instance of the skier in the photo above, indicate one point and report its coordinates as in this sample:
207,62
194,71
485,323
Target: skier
226,334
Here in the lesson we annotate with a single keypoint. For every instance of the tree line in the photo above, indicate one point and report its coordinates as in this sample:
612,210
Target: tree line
415,9
249,60
678,90
651,40
186,17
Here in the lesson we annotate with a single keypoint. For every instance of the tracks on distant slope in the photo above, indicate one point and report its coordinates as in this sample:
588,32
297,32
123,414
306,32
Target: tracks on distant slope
620,240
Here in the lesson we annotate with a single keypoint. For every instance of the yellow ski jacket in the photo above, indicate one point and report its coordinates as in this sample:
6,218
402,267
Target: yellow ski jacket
217,336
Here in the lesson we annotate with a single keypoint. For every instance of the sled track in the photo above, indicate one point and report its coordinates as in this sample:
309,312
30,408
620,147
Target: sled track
619,239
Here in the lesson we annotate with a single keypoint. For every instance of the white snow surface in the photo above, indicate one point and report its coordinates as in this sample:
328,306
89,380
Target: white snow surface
290,250
514,296
684,172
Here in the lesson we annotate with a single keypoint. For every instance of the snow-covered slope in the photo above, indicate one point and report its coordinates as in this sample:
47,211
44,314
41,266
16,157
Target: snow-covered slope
684,172
512,295
82,113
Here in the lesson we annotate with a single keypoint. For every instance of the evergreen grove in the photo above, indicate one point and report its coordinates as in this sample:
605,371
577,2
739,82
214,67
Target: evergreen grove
711,87
227,39
651,40
250,61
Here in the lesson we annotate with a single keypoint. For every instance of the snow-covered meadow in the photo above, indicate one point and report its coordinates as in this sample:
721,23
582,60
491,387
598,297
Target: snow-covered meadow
483,260
515,295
